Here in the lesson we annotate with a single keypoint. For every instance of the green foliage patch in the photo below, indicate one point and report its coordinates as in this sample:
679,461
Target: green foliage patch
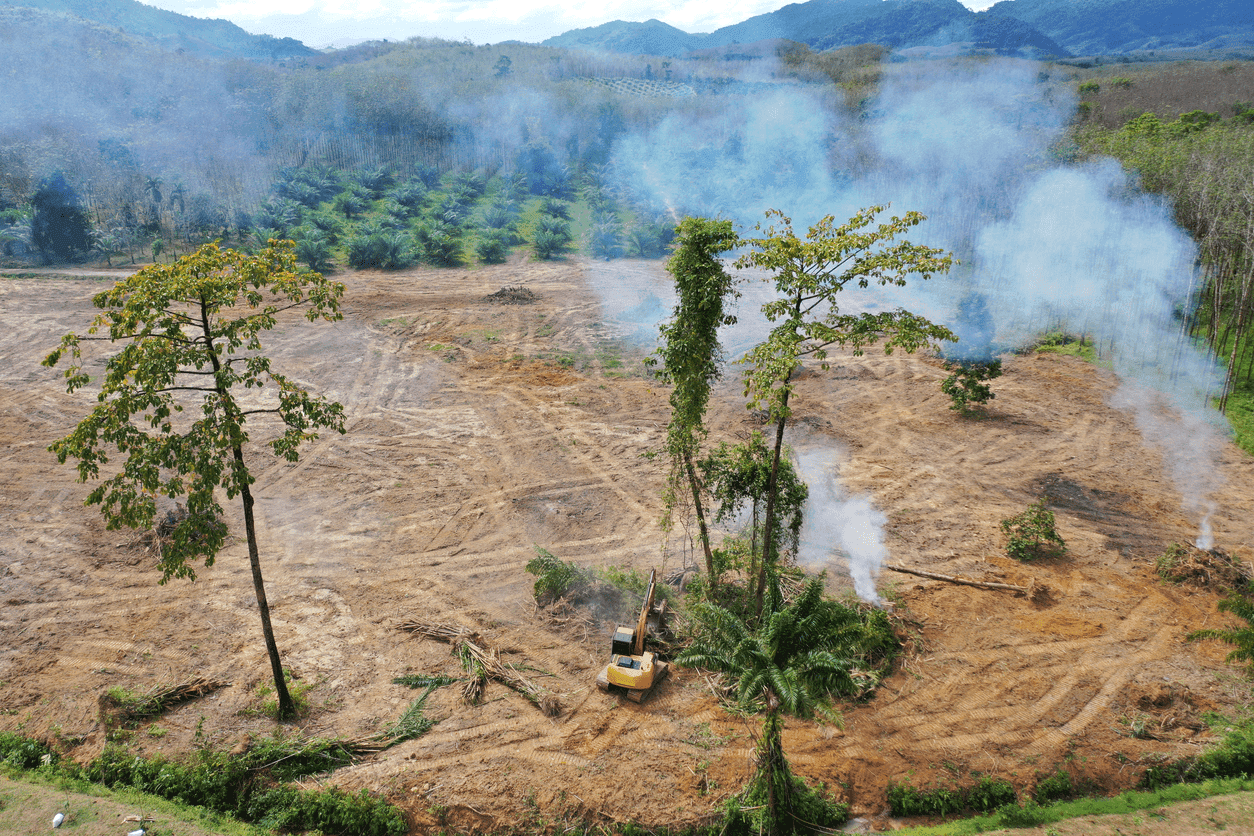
1032,535
967,383
555,578
249,787
986,795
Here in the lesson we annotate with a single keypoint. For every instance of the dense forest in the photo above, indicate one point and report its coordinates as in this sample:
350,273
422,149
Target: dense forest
388,154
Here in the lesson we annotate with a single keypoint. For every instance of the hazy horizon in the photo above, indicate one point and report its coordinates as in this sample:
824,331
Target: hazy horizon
324,23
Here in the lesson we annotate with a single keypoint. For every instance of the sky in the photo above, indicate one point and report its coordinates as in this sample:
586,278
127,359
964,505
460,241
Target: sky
322,23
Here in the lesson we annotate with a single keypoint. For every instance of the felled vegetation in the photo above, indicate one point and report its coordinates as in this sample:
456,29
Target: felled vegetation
119,705
483,663
1211,568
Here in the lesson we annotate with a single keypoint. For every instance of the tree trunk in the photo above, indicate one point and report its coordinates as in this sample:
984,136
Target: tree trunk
701,526
774,770
772,488
287,708
1243,306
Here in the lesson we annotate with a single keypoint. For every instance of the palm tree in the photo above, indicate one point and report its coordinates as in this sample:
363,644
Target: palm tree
803,655
1239,604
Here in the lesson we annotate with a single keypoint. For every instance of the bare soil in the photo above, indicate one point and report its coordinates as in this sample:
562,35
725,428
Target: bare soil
477,430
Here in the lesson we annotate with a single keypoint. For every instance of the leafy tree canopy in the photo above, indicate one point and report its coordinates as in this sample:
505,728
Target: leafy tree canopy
168,401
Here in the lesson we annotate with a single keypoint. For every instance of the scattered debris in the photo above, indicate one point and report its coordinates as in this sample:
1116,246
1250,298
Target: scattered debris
1034,591
450,634
515,295
483,664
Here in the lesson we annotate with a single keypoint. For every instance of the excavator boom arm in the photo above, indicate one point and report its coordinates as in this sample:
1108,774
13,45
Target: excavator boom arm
637,646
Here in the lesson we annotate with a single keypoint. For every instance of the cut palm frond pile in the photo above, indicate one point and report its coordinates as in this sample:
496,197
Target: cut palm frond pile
118,705
483,664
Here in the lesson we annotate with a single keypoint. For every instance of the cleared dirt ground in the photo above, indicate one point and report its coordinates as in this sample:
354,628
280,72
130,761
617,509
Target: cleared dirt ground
477,430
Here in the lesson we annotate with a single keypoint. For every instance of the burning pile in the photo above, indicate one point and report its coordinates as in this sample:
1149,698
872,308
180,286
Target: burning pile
1213,568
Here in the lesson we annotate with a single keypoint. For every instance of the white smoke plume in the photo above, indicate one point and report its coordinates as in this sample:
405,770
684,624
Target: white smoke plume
1045,243
839,527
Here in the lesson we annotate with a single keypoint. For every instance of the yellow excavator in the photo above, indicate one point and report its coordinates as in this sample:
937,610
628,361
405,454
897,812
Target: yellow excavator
633,671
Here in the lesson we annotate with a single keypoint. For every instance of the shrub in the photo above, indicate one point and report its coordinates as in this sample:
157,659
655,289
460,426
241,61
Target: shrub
1029,814
990,794
23,752
1032,534
966,382
234,786
907,800
554,577
1054,787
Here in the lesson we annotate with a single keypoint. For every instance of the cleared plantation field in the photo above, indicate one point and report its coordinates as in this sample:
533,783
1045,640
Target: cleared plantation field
478,429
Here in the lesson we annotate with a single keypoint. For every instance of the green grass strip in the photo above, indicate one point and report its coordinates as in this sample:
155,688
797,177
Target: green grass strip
1031,814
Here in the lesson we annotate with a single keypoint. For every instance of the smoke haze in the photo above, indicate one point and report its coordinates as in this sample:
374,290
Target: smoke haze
1045,244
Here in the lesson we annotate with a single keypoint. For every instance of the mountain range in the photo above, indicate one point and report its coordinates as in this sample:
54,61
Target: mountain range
1029,28
1032,28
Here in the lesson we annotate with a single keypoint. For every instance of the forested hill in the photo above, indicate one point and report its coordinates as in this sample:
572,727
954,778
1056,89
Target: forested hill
1107,27
172,31
1030,28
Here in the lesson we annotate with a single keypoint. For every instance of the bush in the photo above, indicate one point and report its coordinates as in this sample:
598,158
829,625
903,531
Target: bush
1029,814
23,752
1054,787
234,786
990,794
907,800
554,577
1032,534
966,382
987,795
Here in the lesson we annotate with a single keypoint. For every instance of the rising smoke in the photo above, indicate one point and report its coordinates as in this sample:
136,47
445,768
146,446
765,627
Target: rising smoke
1044,243
838,528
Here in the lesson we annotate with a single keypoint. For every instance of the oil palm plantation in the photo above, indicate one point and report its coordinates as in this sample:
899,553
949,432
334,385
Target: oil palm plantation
801,657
